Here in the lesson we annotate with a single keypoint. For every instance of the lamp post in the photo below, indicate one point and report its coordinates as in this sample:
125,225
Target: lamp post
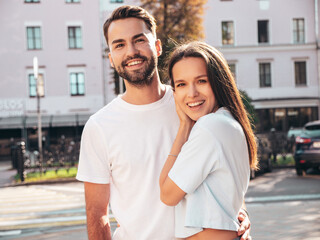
39,82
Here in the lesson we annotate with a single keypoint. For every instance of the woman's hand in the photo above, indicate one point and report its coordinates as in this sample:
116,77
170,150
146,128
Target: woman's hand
184,118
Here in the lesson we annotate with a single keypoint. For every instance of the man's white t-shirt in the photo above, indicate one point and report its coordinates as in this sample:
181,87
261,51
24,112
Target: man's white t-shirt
126,145
213,169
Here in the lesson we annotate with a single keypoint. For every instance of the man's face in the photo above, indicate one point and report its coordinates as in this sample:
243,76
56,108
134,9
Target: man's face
134,50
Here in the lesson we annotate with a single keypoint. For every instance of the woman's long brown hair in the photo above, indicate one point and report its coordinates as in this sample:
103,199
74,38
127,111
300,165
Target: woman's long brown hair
222,84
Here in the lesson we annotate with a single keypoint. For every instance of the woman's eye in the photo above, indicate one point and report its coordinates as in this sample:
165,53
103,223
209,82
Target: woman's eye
180,84
202,81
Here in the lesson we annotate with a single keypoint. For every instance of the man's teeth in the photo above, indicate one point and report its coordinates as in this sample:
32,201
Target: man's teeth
134,63
194,104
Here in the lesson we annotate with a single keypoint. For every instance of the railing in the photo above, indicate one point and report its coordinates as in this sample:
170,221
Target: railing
278,143
64,155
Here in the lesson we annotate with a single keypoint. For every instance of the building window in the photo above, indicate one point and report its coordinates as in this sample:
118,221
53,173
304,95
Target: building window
72,1
300,73
232,67
298,30
75,37
265,74
116,1
263,31
33,85
34,38
77,83
31,1
227,33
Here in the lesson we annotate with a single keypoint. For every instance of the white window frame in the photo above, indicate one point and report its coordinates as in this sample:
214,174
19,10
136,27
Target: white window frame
75,24
234,35
76,70
41,71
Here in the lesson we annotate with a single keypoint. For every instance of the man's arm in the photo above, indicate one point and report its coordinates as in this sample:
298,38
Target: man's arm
245,224
97,201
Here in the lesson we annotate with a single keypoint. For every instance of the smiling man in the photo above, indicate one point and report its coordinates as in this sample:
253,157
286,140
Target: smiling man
125,144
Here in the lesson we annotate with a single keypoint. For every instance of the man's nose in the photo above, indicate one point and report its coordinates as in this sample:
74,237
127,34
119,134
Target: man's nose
132,50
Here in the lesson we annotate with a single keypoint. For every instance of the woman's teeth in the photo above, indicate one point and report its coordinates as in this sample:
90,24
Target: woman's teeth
194,104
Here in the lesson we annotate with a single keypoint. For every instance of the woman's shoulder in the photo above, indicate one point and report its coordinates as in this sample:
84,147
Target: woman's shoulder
221,116
220,123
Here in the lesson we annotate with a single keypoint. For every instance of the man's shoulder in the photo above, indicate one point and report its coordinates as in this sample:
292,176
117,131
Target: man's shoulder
107,108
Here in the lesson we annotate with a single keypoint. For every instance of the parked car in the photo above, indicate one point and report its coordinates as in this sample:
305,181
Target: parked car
294,132
307,150
264,155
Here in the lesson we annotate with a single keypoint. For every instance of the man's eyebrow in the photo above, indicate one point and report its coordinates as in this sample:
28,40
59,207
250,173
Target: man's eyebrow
122,40
138,35
117,41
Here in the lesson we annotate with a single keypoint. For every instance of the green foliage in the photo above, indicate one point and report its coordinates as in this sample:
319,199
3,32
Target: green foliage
177,21
247,102
49,175
287,160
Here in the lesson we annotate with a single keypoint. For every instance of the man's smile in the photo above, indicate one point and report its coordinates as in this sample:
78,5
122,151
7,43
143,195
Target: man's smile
134,62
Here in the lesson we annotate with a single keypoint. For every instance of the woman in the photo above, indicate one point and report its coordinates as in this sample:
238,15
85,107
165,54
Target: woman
207,171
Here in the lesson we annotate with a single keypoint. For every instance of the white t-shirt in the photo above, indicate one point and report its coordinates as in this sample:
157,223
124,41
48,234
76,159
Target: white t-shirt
213,169
126,145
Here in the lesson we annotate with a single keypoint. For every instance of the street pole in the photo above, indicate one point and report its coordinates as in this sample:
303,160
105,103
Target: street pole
36,77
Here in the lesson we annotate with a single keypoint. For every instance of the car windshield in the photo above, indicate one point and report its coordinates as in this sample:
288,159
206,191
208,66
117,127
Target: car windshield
312,131
313,127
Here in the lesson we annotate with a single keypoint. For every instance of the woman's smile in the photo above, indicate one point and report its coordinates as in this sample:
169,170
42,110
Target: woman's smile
193,92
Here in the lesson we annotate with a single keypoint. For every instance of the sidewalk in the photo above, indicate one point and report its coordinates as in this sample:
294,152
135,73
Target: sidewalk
6,174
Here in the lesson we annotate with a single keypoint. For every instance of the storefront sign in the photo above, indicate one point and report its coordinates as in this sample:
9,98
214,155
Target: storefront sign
11,107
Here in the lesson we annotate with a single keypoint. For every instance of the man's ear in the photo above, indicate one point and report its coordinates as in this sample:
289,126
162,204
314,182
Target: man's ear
110,59
158,47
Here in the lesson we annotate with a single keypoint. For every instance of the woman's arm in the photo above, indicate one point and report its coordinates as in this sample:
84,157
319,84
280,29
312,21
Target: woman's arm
170,193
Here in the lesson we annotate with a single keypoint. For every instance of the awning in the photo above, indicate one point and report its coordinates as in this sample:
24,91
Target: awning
46,121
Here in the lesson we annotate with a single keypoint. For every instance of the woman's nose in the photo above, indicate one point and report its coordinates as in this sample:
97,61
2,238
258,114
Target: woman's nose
192,92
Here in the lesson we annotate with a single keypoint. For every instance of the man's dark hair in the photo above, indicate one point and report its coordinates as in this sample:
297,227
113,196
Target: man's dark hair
130,12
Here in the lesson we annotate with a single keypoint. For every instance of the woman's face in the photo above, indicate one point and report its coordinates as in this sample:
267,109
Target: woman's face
193,92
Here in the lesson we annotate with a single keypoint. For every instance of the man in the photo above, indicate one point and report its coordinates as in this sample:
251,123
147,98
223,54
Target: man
125,144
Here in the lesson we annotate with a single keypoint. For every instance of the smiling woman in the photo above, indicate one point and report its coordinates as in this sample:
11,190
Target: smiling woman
193,93
207,172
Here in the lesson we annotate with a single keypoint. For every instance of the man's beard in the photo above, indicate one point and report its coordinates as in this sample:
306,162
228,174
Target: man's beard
141,77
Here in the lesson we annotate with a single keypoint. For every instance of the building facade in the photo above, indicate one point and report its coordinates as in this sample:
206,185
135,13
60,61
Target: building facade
65,37
271,47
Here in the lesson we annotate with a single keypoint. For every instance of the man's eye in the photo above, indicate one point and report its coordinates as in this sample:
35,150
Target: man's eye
140,40
119,45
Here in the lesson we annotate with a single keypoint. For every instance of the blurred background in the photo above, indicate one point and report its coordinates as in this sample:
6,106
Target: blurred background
55,73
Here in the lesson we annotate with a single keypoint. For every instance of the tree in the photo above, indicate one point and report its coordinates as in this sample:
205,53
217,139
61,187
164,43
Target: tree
247,102
177,21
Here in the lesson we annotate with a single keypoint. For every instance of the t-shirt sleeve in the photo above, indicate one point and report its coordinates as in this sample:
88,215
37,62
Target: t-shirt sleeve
199,157
93,160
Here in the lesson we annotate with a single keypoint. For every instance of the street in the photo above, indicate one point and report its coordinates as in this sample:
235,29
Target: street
281,206
284,206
